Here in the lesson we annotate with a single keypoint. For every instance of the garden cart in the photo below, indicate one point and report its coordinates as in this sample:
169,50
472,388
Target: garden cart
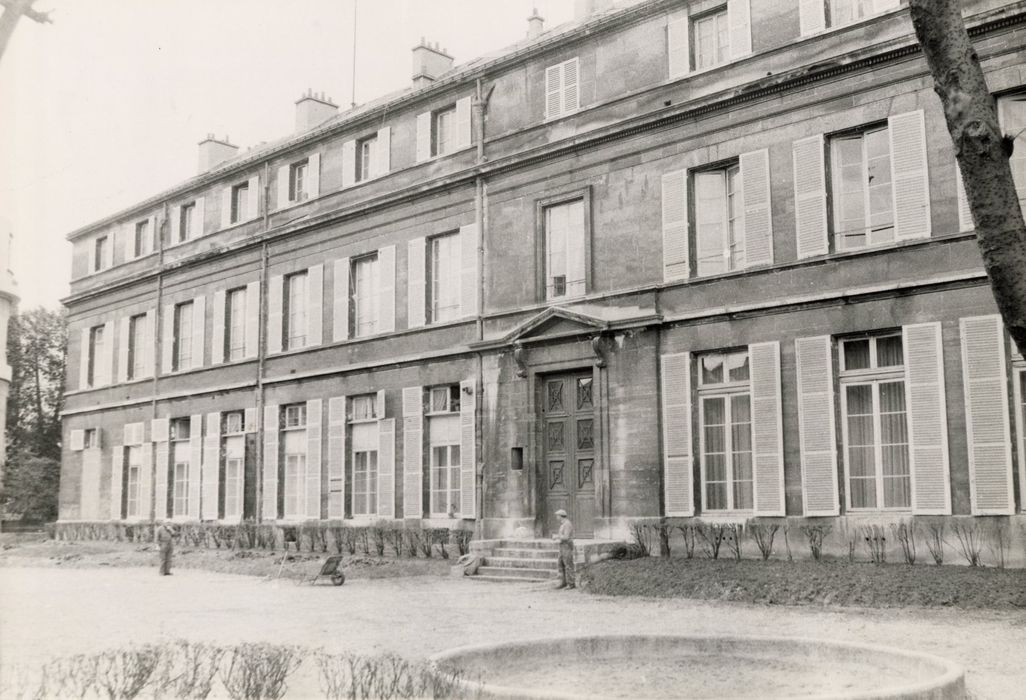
331,569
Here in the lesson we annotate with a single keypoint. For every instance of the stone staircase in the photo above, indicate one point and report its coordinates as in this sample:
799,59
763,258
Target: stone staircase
530,560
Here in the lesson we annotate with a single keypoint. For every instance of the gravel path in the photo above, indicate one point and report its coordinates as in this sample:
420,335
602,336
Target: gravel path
46,612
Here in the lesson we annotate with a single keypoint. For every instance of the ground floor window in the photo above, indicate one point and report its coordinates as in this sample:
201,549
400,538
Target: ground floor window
234,475
365,482
293,487
445,480
725,414
180,498
134,458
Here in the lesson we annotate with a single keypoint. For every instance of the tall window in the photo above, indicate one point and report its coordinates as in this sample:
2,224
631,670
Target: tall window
719,234
564,238
711,39
240,197
96,341
364,438
187,213
295,310
863,209
181,452
235,324
364,295
181,357
142,236
1012,110
136,346
297,181
134,469
365,158
726,434
443,131
875,423
294,430
444,278
842,12
445,480
100,252
234,462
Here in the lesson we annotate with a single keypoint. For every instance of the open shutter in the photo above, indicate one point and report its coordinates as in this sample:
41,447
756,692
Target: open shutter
160,431
767,433
167,341
739,20
253,198
336,457
965,214
423,137
199,320
758,221
315,305
463,130
675,226
195,464
910,182
386,289
145,481
274,314
211,468
986,415
340,301
413,452
348,164
199,216
149,346
124,332
817,436
677,44
382,155
811,16
226,207
217,330
468,448
469,272
126,239
106,360
313,459
108,262
269,503
675,390
553,91
386,468
176,224
571,86
283,186
313,176
249,419
252,319
83,359
153,241
76,441
928,424
416,287
117,467
810,197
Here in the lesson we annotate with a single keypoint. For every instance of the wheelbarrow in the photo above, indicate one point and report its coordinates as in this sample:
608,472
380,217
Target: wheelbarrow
331,569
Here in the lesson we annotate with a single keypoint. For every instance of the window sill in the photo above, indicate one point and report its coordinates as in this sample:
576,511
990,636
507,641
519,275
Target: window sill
362,421
442,156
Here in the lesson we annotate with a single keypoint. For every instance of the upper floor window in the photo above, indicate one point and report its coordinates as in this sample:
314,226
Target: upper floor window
295,310
1012,113
240,203
444,278
186,222
719,224
180,429
712,36
363,407
97,340
564,249
365,149
136,346
816,16
860,169
443,131
294,416
90,438
233,422
562,89
297,181
725,416
181,351
235,323
364,295
444,399
711,39
101,253
143,237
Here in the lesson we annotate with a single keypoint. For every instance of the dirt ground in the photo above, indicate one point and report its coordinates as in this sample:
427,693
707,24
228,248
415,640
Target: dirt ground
45,612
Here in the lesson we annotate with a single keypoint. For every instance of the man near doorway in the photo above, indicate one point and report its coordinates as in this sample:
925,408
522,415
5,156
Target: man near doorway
165,539
565,537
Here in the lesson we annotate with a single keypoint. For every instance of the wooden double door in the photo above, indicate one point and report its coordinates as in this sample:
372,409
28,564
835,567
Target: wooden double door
569,444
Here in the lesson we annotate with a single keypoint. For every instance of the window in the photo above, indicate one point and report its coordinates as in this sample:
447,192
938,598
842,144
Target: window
101,251
96,346
142,236
136,345
444,399
240,210
134,459
90,438
719,228
365,482
181,351
185,221
363,408
711,39
443,131
232,486
562,89
365,158
564,243
726,431
295,466
235,324
180,496
294,416
863,210
297,181
364,296
1012,111
181,429
445,480
233,423
295,311
875,423
444,278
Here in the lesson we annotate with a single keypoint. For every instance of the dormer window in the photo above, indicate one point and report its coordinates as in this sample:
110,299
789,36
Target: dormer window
365,158
297,181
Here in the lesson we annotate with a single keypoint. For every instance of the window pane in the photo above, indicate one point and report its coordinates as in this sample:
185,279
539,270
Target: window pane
445,278
741,450
557,230
712,368
889,352
856,354
711,222
737,366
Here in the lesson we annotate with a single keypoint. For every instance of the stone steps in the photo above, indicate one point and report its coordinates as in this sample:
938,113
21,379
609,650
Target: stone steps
518,573
511,553
517,560
522,562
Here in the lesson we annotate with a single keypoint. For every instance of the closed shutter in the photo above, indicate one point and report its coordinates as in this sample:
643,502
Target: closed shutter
153,242
571,86
767,433
249,419
149,347
386,468
416,286
199,217
226,207
336,457
810,197
379,404
965,214
117,467
340,301
675,390
313,459
315,305
553,91
195,464
176,224
423,136
468,448
464,135
211,468
283,186
313,176
928,424
83,359
381,157
108,262
811,16
133,434
909,178
675,226
90,495
386,289
413,451
986,415
274,314
348,164
199,321
159,430
105,363
469,273
253,198
269,503
217,329
739,20
677,44
124,332
253,319
817,437
167,341
145,481
758,220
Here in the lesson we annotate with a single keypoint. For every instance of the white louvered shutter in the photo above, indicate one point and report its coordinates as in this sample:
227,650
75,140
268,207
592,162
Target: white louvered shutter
348,164
416,285
124,331
283,186
175,227
386,468
252,319
90,494
677,45
909,177
758,217
571,86
675,226
249,419
379,404
199,217
312,186
313,459
986,415
423,136
928,424
274,314
76,441
817,437
468,448
811,16
211,468
965,214
108,256
340,301
767,431
469,273
195,464
253,198
117,466
314,305
226,207
167,341
413,452
153,241
810,197
553,91
464,135
269,477
217,330
739,20
199,320
386,289
83,359
159,431
145,481
381,157
336,457
149,348
675,394
105,363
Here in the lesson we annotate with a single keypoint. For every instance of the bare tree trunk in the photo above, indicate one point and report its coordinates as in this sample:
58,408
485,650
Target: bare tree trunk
13,10
982,154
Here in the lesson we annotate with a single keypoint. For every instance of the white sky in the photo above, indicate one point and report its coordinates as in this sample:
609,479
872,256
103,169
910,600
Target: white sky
105,106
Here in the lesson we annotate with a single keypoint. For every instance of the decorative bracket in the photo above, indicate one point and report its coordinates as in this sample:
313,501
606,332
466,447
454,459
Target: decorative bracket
520,357
598,348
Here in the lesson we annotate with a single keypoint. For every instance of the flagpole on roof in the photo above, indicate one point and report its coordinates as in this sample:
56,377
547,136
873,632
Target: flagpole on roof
352,100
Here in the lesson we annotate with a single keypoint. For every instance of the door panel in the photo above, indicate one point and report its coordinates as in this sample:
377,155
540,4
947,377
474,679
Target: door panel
568,440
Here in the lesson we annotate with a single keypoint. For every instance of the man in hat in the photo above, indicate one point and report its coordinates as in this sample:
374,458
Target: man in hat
165,539
565,537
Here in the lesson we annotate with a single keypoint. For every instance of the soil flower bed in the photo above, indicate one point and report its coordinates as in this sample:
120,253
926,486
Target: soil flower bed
810,583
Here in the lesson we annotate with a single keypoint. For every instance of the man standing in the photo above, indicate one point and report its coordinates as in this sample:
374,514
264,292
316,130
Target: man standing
165,538
565,536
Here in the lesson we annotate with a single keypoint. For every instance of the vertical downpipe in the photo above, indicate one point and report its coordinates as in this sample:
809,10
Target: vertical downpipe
158,360
481,222
262,352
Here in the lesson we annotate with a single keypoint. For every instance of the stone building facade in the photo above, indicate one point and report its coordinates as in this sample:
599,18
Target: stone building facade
686,258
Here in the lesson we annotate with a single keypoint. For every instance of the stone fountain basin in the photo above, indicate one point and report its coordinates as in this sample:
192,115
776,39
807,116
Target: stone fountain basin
662,666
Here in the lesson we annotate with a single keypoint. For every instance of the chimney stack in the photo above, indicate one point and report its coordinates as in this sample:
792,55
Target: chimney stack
535,25
585,8
214,151
313,109
429,63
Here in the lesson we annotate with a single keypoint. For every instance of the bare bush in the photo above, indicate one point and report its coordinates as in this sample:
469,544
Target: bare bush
640,535
363,539
905,532
395,538
187,669
814,535
462,538
259,671
733,536
999,541
787,541
711,537
875,540
338,535
935,541
851,536
123,673
378,532
70,677
970,540
763,534
411,540
689,533
387,677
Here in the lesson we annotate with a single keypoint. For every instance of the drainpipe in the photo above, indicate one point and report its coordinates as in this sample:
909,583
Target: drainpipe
479,107
158,360
261,353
